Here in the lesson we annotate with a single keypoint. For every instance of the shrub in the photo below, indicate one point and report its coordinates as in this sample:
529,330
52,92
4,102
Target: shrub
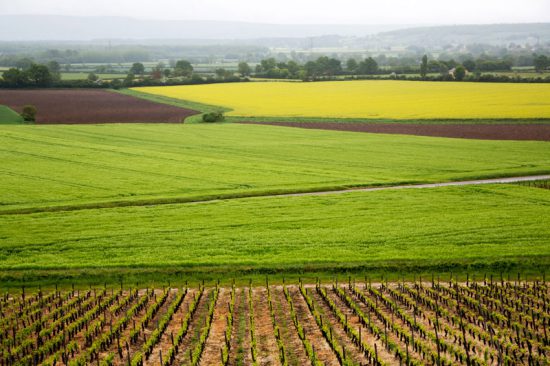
29,113
213,117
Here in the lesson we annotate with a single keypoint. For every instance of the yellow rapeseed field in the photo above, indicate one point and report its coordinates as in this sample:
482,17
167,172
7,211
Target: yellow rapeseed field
370,99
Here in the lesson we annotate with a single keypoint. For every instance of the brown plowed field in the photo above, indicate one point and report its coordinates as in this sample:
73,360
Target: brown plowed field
75,106
493,131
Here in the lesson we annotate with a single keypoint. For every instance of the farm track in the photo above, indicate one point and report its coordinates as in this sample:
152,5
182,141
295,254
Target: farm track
493,131
295,193
365,309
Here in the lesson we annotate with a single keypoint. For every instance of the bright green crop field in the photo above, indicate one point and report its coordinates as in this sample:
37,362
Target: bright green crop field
72,167
446,229
82,201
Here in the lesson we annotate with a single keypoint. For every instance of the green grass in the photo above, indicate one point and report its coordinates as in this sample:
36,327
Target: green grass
71,167
9,116
491,227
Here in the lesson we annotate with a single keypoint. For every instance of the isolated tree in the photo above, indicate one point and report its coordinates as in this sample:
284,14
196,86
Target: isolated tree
15,78
137,69
460,72
183,68
541,62
39,75
351,65
424,66
29,113
244,69
93,77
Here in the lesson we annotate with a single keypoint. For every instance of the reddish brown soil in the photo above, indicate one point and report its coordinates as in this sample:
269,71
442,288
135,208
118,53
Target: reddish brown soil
211,354
495,131
76,106
267,344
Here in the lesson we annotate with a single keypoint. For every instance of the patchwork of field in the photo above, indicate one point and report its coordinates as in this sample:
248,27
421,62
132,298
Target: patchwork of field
372,99
489,322
115,165
77,106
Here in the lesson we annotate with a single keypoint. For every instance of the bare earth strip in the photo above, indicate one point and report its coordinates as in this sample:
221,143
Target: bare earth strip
490,131
215,342
267,344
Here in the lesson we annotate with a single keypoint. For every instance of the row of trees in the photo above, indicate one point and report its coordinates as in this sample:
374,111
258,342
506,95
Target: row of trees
33,75
326,67
321,68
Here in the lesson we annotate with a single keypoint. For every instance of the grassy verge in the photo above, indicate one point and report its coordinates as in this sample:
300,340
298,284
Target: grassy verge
9,116
12,281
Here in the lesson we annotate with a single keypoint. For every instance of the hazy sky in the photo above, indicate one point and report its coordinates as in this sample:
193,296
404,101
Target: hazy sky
299,11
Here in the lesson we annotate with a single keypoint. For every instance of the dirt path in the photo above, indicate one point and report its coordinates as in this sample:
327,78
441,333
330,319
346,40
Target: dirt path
267,344
184,200
428,185
215,342
483,131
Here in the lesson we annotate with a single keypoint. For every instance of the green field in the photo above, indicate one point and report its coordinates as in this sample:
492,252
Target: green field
9,116
72,167
493,227
84,201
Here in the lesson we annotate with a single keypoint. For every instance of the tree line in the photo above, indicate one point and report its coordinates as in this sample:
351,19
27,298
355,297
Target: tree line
329,68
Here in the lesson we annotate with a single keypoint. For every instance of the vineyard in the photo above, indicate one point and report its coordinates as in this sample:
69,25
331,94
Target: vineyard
490,322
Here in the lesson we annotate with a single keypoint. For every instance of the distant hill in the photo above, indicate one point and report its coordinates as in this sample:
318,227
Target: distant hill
54,27
495,34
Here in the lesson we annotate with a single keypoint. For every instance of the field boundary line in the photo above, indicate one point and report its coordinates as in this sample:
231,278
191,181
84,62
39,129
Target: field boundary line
297,193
